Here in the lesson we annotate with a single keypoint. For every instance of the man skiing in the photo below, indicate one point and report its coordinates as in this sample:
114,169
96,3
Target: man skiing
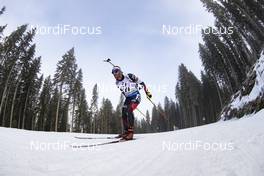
129,85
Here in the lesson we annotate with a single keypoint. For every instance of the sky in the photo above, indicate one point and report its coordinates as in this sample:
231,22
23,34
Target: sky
147,38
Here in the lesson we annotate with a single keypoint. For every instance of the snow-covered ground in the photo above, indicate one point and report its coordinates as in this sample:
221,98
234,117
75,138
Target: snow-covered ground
230,148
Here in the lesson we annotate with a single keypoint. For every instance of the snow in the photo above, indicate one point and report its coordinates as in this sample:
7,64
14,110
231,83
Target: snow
231,148
258,88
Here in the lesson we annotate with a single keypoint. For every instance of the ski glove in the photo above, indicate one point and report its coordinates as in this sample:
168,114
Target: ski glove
149,95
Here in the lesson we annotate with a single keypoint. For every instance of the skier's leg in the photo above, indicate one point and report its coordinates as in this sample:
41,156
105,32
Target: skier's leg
130,116
124,119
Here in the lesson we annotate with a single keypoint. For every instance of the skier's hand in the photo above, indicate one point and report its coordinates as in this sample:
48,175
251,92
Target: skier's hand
149,95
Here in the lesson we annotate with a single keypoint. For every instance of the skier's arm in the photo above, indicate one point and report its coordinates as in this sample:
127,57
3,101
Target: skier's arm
149,95
138,81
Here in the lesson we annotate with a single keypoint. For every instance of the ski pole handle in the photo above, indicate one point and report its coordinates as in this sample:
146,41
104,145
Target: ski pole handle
109,61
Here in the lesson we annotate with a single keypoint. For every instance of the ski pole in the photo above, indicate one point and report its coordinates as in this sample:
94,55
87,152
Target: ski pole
141,112
164,116
151,101
109,61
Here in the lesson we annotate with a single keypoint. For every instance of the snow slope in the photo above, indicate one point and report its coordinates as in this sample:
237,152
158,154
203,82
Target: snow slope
258,88
250,97
229,148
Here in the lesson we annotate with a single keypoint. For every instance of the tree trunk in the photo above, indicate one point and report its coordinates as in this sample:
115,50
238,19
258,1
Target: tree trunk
5,89
58,108
73,112
218,92
4,114
13,104
19,114
24,110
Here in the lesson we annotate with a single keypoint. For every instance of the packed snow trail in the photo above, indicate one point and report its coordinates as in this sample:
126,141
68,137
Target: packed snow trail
241,152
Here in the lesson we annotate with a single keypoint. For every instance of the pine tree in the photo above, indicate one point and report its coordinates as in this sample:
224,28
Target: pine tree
177,112
44,105
24,102
162,121
19,75
76,91
211,99
64,79
148,122
154,120
52,110
188,93
82,119
30,93
10,51
94,109
2,10
167,113
106,117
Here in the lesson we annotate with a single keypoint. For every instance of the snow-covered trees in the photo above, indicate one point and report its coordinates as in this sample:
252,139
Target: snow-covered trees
26,103
227,57
20,79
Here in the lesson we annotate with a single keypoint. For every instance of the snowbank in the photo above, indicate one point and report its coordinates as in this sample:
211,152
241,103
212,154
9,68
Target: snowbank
250,98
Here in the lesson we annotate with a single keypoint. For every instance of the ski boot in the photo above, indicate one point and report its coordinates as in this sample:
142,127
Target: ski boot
130,134
122,135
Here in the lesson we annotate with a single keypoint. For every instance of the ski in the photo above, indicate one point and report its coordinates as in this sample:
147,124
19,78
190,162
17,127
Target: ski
77,137
100,144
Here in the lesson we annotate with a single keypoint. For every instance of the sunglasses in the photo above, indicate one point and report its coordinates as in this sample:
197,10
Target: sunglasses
115,71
